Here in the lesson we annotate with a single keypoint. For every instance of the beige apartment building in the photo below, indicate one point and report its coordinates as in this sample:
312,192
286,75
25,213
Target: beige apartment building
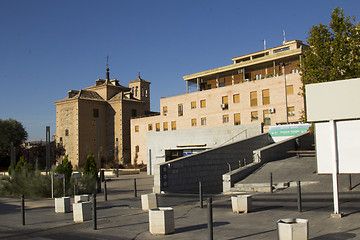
258,88
97,120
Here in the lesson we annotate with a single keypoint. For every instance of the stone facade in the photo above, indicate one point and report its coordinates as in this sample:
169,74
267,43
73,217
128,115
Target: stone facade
97,120
252,90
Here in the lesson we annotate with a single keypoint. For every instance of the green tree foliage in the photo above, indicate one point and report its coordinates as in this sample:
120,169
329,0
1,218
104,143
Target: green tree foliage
10,131
65,168
334,50
90,166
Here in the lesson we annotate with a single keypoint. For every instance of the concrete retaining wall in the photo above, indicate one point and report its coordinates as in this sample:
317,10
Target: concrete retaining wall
279,150
183,174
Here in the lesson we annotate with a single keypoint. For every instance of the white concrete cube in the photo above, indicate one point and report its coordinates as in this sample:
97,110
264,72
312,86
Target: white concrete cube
62,205
293,229
161,221
241,203
81,198
149,201
82,211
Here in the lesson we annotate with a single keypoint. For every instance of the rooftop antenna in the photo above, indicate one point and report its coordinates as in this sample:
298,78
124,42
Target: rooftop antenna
284,37
107,70
264,43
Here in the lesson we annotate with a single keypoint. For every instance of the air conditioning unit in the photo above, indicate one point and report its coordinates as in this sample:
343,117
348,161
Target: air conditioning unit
272,110
224,106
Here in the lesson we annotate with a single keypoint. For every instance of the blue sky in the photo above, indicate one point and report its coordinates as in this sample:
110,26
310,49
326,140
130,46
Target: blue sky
49,47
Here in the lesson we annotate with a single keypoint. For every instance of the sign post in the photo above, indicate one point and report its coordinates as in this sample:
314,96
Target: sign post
54,176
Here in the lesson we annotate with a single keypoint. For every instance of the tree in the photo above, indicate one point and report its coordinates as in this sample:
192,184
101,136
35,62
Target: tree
10,131
90,166
334,51
65,168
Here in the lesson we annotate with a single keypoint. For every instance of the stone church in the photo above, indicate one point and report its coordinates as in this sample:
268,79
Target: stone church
97,120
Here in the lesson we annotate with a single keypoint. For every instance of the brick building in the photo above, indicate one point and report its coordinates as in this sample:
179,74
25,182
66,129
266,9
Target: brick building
252,90
97,119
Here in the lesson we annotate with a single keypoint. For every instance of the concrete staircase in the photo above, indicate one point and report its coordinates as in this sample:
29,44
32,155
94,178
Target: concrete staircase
287,172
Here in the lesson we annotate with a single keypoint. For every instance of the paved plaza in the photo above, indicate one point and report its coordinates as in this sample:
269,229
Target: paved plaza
121,217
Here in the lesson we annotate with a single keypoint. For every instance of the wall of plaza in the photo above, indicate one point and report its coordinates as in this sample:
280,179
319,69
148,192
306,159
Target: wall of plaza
246,103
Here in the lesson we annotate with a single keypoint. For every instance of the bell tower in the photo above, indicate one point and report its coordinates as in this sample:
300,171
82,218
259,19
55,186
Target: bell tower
140,90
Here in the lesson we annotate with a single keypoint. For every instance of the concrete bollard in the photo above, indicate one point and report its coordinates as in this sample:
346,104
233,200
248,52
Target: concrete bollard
81,198
82,211
62,205
161,221
241,203
149,201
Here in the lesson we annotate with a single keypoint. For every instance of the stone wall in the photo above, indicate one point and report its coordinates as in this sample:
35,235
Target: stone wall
183,174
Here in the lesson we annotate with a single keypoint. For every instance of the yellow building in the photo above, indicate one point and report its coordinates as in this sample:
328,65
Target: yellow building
97,120
252,90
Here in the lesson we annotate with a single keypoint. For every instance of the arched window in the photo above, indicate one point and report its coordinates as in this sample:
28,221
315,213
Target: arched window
136,91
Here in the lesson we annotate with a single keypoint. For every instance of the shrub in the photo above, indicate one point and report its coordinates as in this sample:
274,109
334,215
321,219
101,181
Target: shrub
90,166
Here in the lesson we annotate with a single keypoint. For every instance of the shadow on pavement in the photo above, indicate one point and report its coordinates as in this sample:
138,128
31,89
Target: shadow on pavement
336,236
199,226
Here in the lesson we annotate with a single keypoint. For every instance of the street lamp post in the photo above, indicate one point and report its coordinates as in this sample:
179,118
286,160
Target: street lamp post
286,101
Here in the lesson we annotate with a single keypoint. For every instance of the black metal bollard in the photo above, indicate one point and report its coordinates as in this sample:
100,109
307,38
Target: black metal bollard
271,183
102,175
299,197
135,192
105,191
94,211
75,190
210,219
350,185
200,195
98,184
23,209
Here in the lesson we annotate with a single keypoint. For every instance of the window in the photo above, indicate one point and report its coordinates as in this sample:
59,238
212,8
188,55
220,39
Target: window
281,49
225,101
66,132
225,118
267,119
165,110
137,128
203,103
291,111
136,91
165,126
193,105
266,96
180,110
149,127
133,112
222,83
137,148
193,122
290,89
157,127
237,119
95,113
173,125
236,98
203,121
254,116
253,99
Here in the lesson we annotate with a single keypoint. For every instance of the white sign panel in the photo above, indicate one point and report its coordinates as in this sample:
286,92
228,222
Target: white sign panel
337,100
59,175
348,145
